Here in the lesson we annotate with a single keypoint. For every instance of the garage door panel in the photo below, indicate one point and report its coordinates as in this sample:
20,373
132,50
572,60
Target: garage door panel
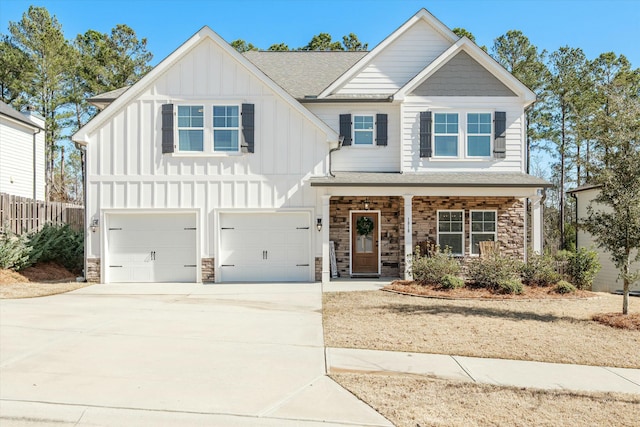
152,248
265,246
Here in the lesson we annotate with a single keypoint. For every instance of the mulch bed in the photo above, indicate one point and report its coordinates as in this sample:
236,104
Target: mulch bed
619,320
41,272
435,291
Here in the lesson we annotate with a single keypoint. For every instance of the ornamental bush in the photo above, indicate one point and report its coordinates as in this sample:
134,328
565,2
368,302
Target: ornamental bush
540,270
59,244
582,266
431,269
493,270
564,287
510,286
14,251
450,281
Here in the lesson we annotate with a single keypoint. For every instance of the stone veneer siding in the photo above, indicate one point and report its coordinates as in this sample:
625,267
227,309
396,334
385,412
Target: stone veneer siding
391,232
318,276
93,270
208,270
510,219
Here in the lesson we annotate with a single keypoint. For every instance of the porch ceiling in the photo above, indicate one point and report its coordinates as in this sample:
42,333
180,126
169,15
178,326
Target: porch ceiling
430,179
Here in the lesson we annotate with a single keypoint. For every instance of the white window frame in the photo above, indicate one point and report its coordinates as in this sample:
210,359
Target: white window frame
461,233
471,232
467,134
214,128
463,135
202,129
354,130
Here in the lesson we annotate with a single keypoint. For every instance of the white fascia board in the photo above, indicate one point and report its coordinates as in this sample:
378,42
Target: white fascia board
483,58
422,14
83,135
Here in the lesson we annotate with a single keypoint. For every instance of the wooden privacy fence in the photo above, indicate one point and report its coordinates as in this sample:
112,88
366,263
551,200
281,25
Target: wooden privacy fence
22,215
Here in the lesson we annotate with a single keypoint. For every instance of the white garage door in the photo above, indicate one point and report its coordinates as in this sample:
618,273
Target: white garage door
151,248
265,247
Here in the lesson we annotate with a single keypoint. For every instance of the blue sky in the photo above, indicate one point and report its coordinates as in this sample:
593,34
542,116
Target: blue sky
596,26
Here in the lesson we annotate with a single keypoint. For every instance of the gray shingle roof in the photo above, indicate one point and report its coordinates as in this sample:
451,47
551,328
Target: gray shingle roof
304,73
430,179
9,111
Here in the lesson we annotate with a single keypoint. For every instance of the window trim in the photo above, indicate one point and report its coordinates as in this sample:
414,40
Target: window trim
463,146
207,140
238,129
490,134
354,131
178,128
471,232
461,233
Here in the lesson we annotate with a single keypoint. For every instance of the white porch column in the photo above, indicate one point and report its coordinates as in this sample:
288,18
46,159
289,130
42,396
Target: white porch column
408,234
537,224
326,221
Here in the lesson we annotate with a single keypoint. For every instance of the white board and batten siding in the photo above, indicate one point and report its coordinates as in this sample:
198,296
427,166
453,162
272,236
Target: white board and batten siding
127,170
16,160
607,279
515,133
399,62
363,158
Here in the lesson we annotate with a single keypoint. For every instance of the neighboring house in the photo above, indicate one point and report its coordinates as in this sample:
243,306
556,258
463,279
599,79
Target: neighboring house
607,279
229,167
21,153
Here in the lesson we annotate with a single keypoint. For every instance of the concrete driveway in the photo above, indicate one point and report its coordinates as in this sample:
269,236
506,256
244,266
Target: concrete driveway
171,354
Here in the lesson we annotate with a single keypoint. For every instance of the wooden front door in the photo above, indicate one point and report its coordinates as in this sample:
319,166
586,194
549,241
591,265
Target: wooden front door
364,243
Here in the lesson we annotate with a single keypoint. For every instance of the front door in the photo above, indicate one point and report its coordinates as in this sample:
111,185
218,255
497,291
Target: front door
364,243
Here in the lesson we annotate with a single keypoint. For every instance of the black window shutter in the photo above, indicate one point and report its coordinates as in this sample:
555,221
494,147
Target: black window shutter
381,129
167,128
248,128
500,142
345,128
425,134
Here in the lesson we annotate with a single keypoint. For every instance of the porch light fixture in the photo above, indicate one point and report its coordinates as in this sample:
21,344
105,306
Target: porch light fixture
94,225
366,204
319,224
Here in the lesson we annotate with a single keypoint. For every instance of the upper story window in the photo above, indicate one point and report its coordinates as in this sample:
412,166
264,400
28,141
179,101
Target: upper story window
451,231
226,128
479,134
190,127
445,131
363,130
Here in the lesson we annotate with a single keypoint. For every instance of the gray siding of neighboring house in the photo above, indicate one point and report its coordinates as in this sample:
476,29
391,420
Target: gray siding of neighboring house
462,76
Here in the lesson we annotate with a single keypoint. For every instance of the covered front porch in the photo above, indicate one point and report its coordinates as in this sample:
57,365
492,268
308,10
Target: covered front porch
375,220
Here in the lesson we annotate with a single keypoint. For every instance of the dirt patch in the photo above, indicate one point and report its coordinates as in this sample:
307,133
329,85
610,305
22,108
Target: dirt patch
619,320
411,401
39,280
545,330
435,291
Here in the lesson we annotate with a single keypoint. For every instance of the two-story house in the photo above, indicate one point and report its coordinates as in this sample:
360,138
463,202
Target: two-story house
230,167
22,168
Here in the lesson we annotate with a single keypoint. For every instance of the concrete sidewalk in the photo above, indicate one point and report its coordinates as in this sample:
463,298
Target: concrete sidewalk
516,373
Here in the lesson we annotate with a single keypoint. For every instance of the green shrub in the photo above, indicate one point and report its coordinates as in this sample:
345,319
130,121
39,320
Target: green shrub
582,266
540,270
14,251
59,244
431,269
489,272
564,287
450,281
510,286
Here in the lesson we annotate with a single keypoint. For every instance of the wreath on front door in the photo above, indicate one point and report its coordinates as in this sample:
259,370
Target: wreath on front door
364,226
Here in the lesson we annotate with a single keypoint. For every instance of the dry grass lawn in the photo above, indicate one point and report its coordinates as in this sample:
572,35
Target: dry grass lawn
37,281
412,401
547,330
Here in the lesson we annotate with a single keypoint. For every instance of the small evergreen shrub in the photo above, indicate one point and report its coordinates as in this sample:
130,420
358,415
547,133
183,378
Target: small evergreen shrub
450,281
582,266
59,244
493,270
431,269
540,270
564,287
510,286
14,251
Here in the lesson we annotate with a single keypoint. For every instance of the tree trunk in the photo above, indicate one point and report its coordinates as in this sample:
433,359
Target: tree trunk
562,167
625,288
